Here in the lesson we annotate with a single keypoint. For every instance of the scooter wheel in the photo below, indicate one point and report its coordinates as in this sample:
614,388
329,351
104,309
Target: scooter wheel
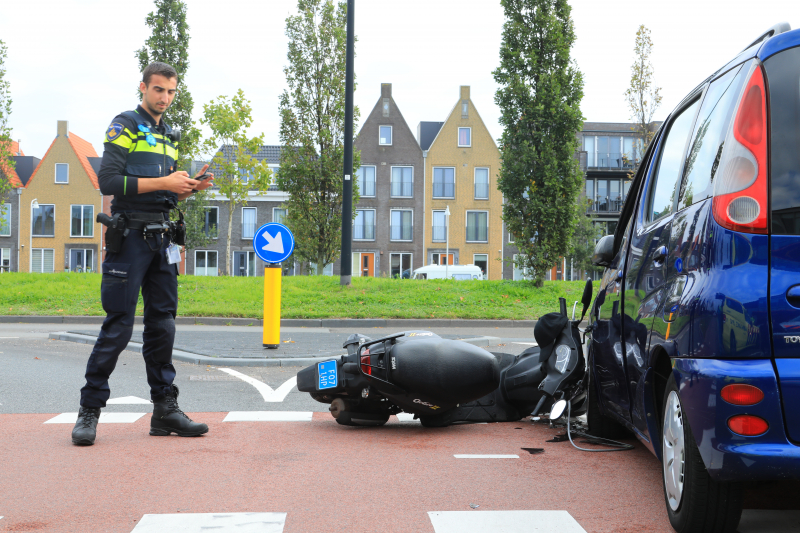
347,418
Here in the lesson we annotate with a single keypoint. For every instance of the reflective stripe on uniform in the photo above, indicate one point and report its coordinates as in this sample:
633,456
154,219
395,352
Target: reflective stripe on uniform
141,145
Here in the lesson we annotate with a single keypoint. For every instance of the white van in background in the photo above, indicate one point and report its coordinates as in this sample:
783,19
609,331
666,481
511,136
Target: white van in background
457,272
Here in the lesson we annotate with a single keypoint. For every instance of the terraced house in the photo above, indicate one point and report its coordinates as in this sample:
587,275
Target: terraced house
17,176
461,166
58,205
389,223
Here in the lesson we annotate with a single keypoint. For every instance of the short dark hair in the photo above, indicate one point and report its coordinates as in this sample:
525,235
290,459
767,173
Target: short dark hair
157,67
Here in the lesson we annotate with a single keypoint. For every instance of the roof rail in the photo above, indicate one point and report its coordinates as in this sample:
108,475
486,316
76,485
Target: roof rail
778,28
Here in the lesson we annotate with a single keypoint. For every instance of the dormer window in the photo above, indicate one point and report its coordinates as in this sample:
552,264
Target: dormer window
385,135
464,137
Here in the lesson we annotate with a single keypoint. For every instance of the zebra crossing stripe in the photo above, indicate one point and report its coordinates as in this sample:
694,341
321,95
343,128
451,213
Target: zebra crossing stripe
105,418
505,521
216,522
484,456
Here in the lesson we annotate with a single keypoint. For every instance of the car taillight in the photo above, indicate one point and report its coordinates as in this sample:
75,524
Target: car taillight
365,363
740,186
741,394
748,425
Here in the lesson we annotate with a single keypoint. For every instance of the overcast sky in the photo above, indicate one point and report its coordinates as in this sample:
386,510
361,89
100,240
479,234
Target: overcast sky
74,59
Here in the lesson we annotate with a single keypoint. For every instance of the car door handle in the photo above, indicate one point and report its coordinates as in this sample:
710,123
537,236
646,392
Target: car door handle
660,255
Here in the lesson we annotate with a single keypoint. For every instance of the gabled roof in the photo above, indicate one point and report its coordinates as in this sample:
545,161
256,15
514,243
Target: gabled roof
83,149
8,171
269,152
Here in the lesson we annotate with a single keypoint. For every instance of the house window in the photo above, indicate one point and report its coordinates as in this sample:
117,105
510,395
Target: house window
82,221
42,260
403,182
81,260
400,266
248,222
482,261
588,145
439,259
402,225
278,215
244,264
273,183
464,109
385,135
464,137
520,273
43,220
439,226
210,225
326,271
366,181
5,259
385,107
364,225
62,173
477,226
444,182
5,221
481,183
205,263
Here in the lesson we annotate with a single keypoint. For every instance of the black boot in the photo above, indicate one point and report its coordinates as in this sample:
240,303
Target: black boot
168,418
85,430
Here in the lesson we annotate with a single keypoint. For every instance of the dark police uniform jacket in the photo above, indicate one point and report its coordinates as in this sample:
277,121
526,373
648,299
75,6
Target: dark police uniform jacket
128,158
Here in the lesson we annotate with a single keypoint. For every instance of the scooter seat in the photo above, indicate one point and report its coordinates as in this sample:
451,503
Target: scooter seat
446,370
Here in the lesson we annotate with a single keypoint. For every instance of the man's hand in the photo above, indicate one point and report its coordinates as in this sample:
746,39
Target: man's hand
205,183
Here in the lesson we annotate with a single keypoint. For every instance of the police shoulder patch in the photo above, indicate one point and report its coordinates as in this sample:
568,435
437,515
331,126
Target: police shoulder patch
114,131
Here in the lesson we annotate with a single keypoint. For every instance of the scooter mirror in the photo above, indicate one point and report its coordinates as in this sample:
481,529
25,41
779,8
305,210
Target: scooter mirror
586,299
558,409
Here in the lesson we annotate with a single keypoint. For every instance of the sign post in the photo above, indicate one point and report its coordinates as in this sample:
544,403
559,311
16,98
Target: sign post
273,243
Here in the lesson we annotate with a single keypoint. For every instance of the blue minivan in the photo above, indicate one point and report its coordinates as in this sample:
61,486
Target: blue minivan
695,330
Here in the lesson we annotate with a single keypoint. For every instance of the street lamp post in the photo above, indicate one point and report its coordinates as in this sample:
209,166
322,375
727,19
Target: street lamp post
34,205
447,245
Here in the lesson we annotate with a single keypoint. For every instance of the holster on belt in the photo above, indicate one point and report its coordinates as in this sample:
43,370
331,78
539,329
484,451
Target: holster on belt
116,231
177,230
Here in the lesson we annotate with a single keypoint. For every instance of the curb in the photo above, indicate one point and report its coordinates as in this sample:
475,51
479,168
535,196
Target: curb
198,359
288,322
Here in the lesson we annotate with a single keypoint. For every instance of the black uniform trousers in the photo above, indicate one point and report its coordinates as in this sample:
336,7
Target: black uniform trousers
139,264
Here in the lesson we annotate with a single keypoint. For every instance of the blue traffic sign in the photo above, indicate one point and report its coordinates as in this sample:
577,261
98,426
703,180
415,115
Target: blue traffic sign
273,243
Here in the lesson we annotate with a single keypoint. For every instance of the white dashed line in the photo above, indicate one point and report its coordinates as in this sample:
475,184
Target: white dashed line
484,456
217,522
105,418
128,400
268,416
505,521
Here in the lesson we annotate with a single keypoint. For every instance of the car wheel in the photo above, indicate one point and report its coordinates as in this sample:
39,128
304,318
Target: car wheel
599,424
695,502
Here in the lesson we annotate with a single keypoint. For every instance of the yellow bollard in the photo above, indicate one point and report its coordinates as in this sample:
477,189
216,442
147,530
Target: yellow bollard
272,306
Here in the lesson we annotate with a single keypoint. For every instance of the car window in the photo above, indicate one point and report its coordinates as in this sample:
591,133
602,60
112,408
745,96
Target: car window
662,196
708,137
783,75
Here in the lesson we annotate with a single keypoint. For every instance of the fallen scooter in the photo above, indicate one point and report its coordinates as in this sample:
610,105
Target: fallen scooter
444,382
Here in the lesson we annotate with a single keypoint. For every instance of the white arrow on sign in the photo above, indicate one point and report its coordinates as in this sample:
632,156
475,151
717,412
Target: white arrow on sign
274,244
266,391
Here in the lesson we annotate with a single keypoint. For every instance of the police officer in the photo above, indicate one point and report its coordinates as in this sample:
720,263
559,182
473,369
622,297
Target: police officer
138,168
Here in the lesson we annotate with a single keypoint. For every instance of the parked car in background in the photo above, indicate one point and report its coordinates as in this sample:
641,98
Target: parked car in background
694,344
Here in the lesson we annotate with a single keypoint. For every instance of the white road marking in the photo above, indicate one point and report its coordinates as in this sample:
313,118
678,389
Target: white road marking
505,521
128,400
484,456
266,391
105,418
406,417
268,416
8,338
527,343
217,522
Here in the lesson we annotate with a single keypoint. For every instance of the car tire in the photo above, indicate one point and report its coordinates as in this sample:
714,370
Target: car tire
694,501
599,424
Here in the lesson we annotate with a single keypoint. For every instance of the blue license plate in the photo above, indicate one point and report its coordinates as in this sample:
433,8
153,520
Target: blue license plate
327,374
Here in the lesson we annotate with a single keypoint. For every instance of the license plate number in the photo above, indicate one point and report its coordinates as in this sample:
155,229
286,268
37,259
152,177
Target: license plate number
327,374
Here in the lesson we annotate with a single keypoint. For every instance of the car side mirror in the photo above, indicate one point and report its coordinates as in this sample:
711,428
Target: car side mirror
604,252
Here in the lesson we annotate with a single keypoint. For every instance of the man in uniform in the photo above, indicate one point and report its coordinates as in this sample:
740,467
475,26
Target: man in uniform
138,168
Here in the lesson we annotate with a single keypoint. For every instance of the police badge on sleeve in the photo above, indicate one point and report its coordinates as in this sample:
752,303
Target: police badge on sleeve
114,131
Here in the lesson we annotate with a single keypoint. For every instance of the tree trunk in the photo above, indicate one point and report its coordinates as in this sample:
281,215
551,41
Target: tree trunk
231,207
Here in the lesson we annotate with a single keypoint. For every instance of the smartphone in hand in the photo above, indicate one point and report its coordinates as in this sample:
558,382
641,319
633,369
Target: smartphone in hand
204,176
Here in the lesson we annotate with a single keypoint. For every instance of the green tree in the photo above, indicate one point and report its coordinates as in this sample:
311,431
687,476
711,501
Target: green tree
236,171
312,130
539,98
6,156
169,43
642,97
582,244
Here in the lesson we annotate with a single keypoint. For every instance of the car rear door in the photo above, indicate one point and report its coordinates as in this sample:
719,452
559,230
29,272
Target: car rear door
783,82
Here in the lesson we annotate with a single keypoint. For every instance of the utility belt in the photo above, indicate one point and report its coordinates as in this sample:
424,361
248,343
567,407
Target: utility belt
119,226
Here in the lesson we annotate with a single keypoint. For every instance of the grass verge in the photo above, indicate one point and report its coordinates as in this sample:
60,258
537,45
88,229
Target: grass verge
301,297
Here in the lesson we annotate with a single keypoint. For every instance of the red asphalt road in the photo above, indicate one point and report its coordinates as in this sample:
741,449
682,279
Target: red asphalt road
327,477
